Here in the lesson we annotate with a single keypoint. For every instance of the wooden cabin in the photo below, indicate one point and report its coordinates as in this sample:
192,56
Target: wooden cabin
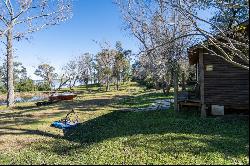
221,83
223,86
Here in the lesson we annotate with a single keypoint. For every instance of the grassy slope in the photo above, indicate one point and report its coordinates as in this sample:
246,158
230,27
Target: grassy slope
110,136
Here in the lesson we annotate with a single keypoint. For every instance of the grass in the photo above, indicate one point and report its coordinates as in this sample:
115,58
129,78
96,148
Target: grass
108,135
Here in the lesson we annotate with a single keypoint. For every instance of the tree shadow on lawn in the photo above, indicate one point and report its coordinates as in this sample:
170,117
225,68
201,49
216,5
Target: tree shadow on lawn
229,138
87,105
15,120
29,115
25,115
90,103
115,101
13,131
65,105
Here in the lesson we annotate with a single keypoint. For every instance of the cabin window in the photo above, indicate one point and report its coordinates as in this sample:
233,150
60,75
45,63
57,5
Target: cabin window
209,67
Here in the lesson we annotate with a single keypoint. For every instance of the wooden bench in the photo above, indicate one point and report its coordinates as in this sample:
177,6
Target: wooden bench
193,103
189,98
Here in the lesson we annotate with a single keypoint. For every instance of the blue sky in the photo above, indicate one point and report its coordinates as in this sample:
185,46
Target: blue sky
97,20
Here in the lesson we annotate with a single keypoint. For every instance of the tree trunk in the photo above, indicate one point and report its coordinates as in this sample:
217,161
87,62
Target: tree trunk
86,81
183,82
107,84
62,83
99,84
176,91
166,88
172,78
70,84
117,83
51,85
10,70
201,79
74,84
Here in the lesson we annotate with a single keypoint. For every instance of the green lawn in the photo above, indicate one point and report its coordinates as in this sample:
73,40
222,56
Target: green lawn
107,135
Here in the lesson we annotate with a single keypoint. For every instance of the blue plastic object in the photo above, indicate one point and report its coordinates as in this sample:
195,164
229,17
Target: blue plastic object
61,125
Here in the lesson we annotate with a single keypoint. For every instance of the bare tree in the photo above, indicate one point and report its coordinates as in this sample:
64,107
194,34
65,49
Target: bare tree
63,81
150,23
80,69
71,72
19,18
230,43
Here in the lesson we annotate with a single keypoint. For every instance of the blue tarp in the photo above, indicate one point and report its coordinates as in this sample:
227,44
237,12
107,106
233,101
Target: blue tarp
61,125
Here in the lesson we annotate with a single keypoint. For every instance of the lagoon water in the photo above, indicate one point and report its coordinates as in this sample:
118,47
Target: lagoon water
26,99
56,83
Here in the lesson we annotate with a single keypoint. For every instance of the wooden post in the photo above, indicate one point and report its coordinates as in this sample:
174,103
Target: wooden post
201,68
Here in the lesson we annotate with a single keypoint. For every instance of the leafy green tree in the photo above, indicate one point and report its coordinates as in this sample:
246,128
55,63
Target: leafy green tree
46,72
105,62
43,86
121,64
20,73
85,68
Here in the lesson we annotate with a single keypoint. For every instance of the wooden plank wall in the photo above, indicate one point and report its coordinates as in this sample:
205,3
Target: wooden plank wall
226,85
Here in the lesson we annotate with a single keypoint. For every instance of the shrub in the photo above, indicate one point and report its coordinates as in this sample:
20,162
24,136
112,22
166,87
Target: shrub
25,86
3,89
43,87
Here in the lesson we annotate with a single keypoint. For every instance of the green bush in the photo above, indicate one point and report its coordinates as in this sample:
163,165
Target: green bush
147,83
3,89
43,87
25,86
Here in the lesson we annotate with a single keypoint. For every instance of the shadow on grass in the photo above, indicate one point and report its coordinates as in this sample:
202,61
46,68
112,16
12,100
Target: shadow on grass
14,131
63,105
230,138
176,133
16,119
89,103
29,115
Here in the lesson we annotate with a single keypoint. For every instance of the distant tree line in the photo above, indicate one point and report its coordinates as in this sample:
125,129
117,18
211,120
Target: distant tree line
22,83
109,66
